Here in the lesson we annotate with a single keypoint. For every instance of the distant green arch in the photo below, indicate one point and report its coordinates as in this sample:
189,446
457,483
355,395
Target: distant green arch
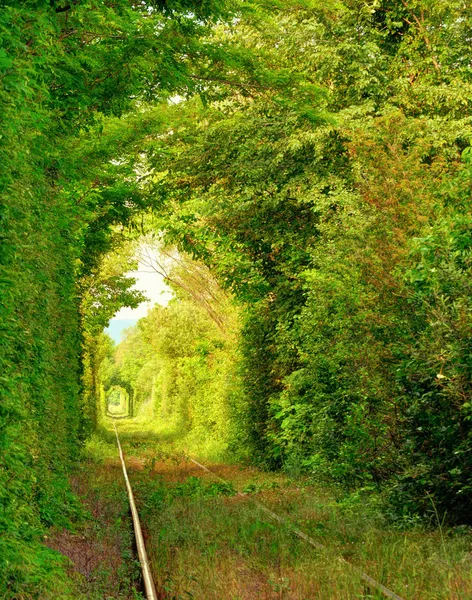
117,402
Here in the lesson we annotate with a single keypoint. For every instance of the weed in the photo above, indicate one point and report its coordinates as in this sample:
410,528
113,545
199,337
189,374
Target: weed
206,542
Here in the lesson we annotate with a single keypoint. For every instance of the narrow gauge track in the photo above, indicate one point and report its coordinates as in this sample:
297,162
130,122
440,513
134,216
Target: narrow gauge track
150,589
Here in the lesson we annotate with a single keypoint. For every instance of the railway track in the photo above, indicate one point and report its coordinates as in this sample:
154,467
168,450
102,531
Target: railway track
149,586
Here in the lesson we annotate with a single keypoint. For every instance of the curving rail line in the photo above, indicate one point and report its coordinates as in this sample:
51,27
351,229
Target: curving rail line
149,587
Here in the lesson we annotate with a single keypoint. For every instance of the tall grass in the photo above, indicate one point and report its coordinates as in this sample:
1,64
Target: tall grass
207,542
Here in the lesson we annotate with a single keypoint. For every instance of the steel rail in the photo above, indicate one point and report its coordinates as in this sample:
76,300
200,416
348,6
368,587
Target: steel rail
366,578
149,587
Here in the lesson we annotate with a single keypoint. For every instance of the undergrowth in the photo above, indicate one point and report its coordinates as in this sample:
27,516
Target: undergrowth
207,541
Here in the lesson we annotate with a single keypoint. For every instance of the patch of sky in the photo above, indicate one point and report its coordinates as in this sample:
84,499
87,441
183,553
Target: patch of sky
152,284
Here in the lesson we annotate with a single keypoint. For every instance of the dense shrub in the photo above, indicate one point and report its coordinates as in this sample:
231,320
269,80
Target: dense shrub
180,368
66,69
331,199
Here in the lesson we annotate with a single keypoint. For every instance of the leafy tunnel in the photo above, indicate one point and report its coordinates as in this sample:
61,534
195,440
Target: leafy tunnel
303,169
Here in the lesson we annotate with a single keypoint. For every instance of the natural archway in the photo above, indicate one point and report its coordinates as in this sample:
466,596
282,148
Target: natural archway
117,402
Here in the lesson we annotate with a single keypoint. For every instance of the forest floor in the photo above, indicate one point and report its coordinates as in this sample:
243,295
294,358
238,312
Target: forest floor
208,542
99,546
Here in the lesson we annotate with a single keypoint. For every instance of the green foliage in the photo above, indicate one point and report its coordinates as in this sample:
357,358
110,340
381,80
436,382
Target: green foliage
322,175
192,487
434,374
179,367
309,191
65,69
